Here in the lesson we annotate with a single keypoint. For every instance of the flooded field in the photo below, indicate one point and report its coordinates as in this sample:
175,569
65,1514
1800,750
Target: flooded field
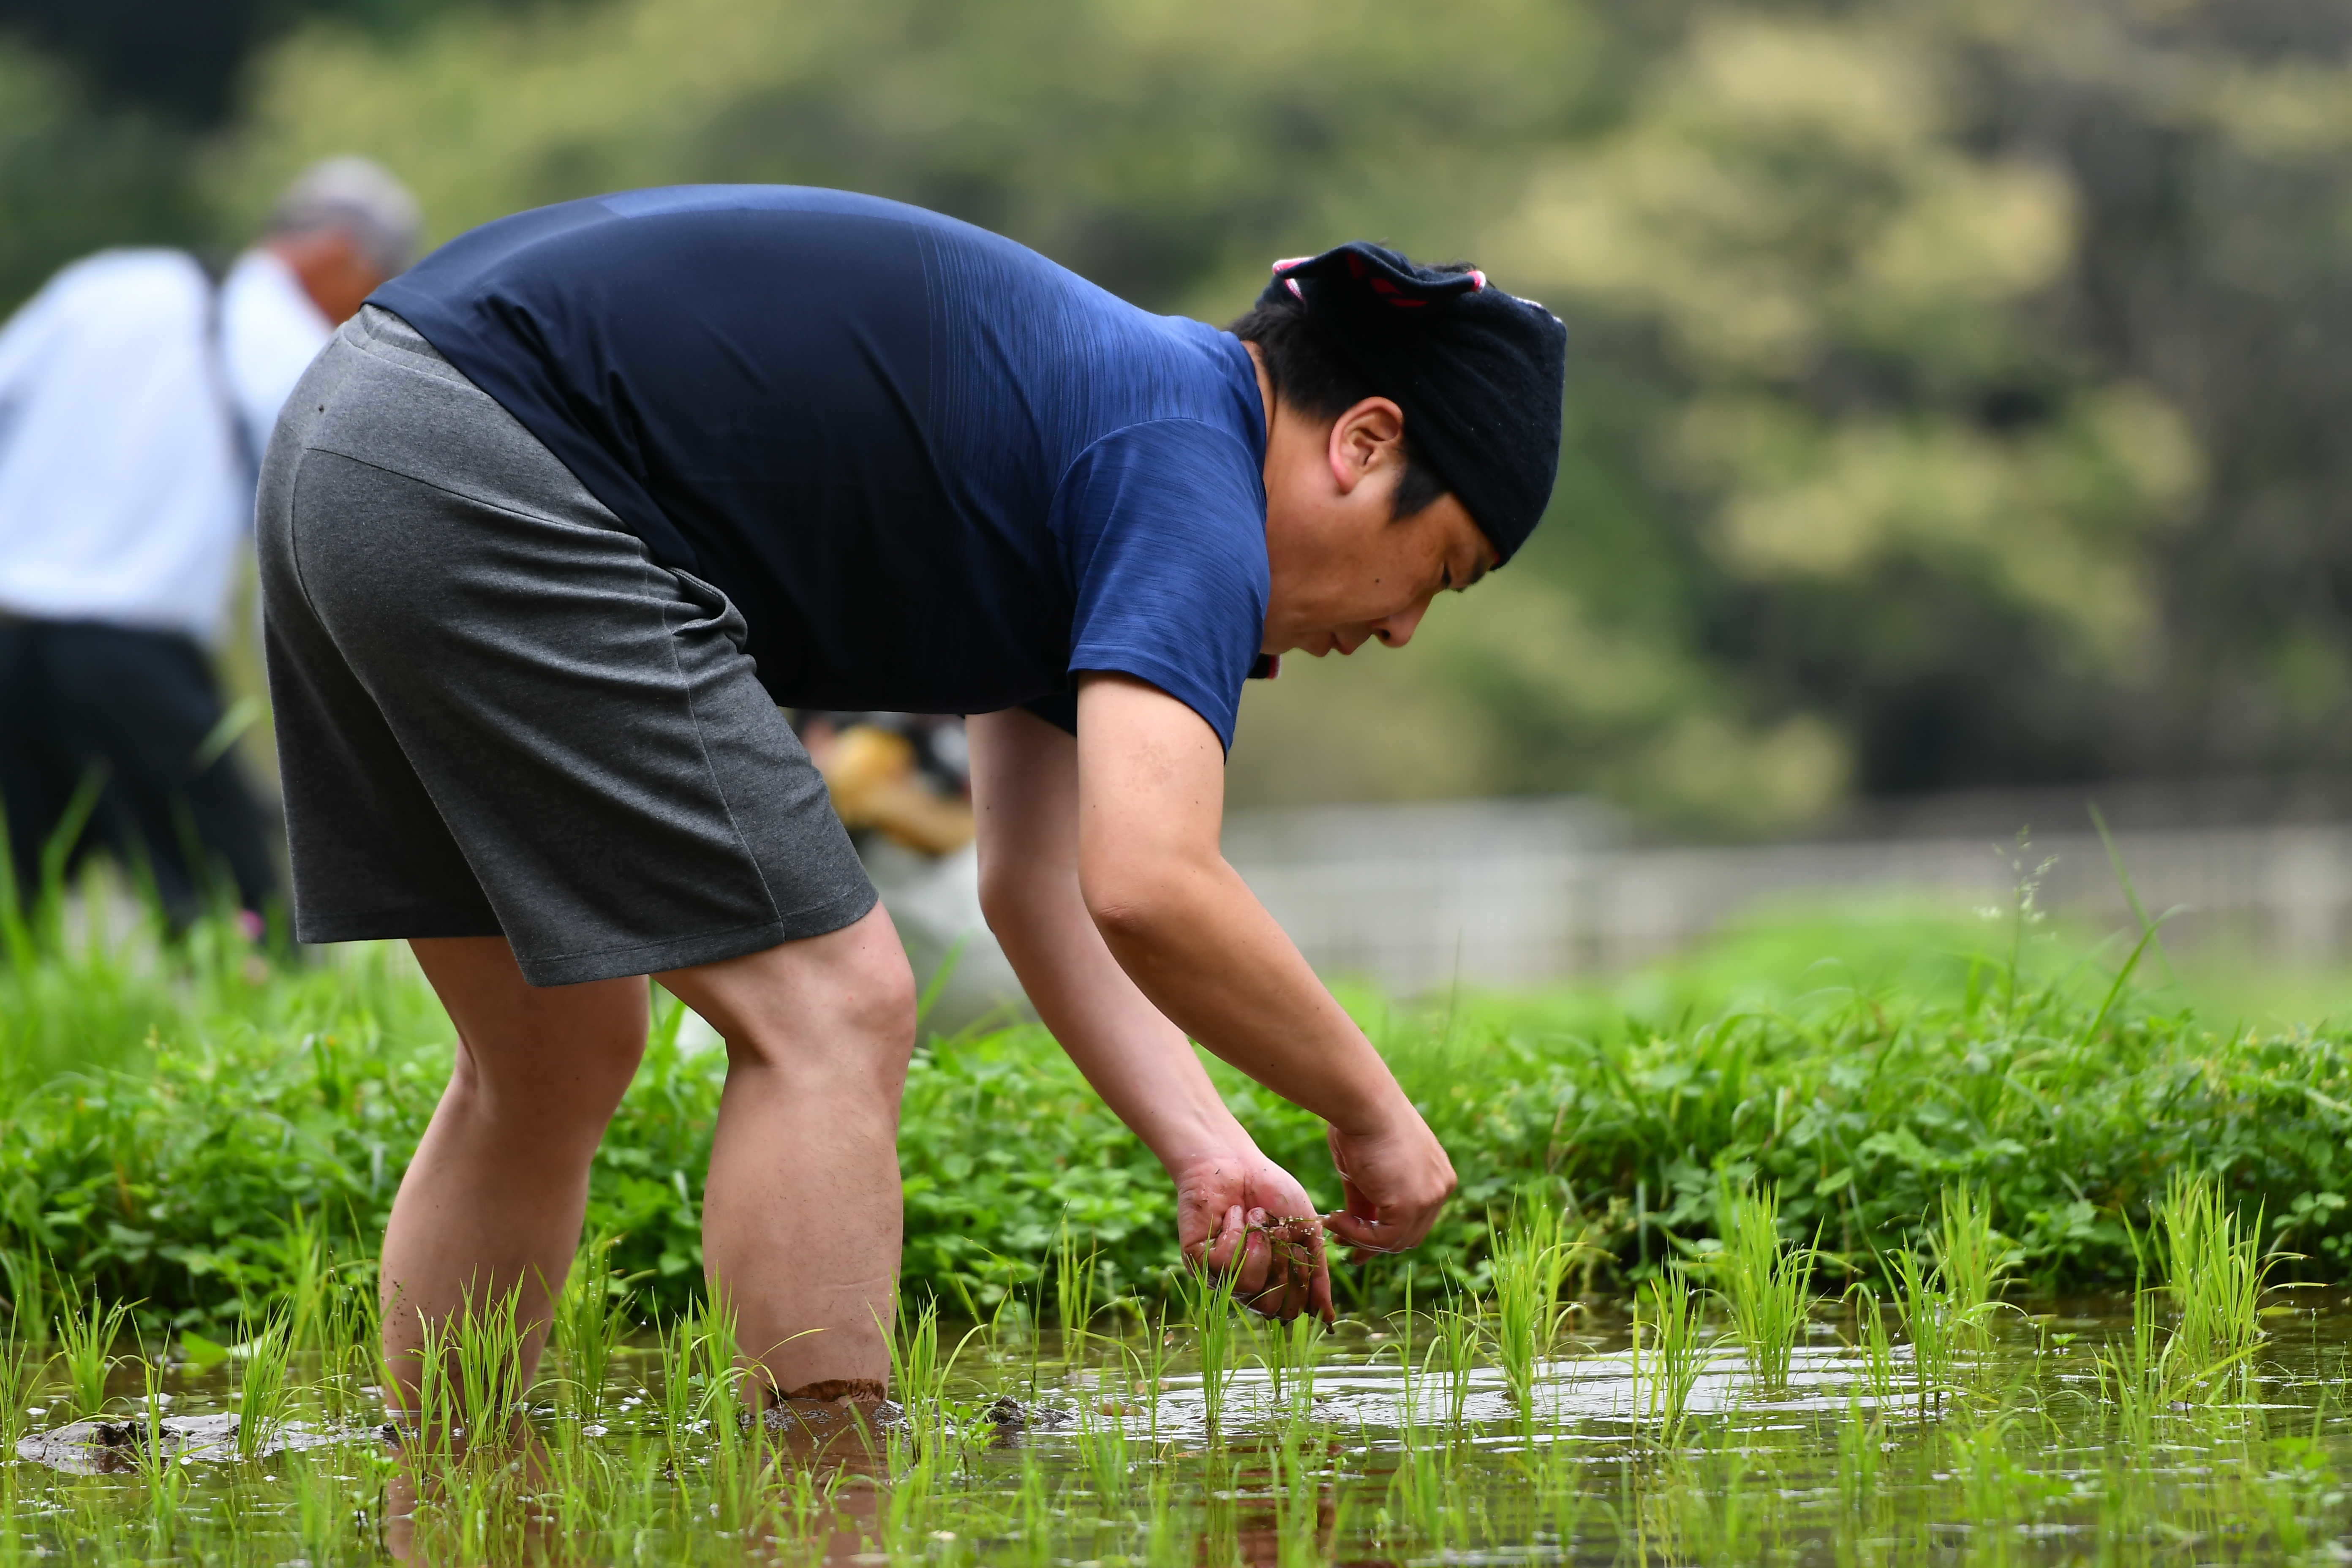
1917,1431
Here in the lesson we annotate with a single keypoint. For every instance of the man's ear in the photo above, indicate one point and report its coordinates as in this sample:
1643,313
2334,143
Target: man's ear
1363,440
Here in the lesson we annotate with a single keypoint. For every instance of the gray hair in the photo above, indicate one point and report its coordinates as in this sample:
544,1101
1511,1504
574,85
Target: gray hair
360,198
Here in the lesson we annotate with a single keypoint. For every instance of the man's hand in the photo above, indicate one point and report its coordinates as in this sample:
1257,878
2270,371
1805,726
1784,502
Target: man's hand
1395,1180
1233,1205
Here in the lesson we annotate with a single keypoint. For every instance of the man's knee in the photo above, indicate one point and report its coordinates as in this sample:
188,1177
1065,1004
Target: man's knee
874,1013
845,1024
584,1085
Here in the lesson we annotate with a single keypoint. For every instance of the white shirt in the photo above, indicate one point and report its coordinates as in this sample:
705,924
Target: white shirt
124,495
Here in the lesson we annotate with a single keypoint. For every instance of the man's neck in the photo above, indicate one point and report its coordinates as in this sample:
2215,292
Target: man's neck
1265,388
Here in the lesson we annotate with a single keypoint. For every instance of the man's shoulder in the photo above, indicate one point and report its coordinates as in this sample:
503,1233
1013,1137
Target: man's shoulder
129,284
108,303
154,268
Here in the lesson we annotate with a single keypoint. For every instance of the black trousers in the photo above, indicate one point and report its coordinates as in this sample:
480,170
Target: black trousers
134,708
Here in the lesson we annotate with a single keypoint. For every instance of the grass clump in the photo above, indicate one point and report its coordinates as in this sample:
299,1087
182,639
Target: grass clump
1765,1285
591,1319
1669,1352
87,1330
1972,1261
264,1395
2214,1269
1530,1264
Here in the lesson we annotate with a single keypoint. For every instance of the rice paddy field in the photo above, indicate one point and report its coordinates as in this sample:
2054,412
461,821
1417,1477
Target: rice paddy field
1859,1241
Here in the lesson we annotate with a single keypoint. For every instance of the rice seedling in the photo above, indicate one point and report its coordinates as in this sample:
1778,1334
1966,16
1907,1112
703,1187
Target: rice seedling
1530,1263
27,1297
21,1371
920,1377
353,1335
85,1332
1208,1296
263,1394
1074,1289
1669,1359
1149,1363
2214,1271
164,1480
728,1424
591,1320
1452,1352
675,1369
1295,1351
1876,1344
309,1279
2135,1376
470,1377
1764,1284
1930,1321
1972,1261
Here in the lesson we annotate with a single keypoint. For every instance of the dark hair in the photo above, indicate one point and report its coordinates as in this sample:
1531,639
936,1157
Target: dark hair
1312,374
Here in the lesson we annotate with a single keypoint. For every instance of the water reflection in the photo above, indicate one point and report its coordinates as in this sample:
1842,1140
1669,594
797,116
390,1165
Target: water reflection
2028,1452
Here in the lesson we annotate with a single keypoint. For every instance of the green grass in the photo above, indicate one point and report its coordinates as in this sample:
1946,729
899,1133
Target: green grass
1669,1352
1764,1284
236,1131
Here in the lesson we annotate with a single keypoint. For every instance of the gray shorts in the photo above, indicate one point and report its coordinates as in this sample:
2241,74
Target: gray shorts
496,715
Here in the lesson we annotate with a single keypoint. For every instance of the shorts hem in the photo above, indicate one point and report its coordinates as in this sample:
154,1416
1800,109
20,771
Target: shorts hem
391,925
710,947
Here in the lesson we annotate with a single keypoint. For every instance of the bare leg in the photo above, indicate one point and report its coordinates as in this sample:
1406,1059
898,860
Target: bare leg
494,1198
801,1217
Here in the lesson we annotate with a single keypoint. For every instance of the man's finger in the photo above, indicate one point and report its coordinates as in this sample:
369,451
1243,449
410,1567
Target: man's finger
1257,1262
1220,1253
1364,1235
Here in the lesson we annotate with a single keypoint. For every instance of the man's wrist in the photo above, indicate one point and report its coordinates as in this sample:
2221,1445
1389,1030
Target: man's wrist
1200,1143
1376,1113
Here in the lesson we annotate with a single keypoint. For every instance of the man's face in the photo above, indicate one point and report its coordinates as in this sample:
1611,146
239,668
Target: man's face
1345,572
334,270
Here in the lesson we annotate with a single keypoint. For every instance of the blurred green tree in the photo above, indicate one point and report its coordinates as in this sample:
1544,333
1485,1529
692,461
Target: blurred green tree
1955,384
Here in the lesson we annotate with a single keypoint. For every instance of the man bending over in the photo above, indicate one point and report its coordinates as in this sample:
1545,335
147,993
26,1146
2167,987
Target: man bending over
555,525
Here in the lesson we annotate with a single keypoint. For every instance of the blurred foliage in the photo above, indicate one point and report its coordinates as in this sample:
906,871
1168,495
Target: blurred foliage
1955,383
74,178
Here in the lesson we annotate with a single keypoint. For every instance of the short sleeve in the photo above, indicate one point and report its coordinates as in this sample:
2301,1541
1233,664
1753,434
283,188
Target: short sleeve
1162,525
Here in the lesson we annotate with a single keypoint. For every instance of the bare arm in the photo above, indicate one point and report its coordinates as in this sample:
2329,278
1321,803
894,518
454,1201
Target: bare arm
1195,940
1026,794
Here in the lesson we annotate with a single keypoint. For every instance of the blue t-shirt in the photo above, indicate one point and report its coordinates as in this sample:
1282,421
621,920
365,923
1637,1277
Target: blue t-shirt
937,473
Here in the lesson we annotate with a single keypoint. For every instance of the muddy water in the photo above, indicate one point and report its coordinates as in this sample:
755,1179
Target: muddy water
1105,1450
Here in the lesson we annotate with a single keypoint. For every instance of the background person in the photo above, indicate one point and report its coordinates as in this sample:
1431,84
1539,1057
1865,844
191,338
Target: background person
135,395
555,524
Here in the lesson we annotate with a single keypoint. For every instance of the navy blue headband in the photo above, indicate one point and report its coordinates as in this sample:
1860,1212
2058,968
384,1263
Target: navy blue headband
1480,374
